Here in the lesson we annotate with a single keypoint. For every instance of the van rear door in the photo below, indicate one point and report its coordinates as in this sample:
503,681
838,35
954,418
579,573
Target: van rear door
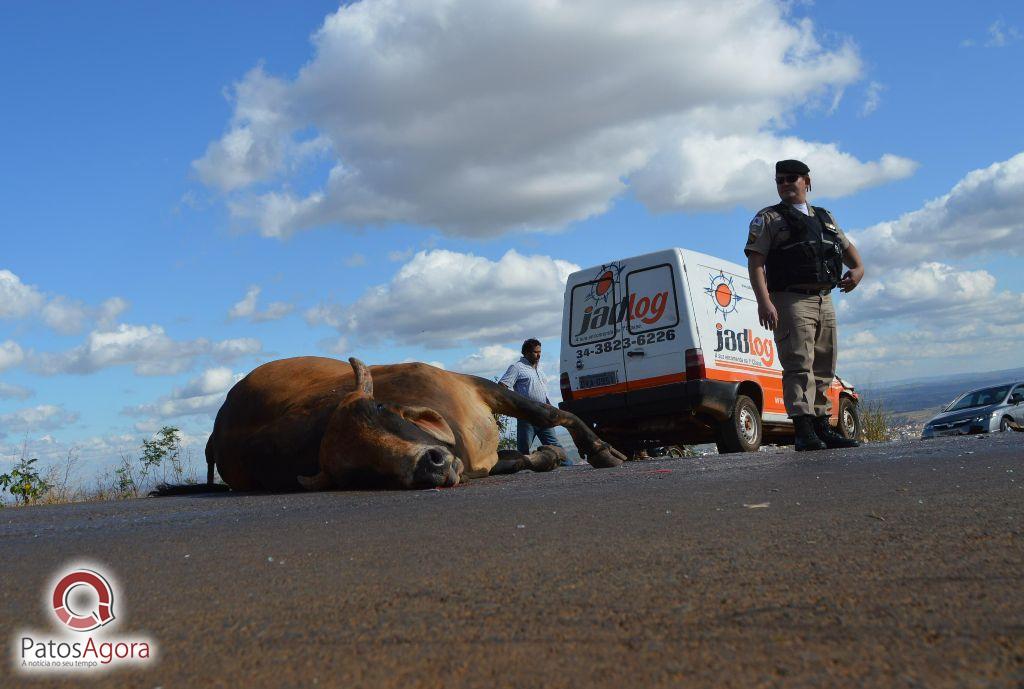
652,347
595,327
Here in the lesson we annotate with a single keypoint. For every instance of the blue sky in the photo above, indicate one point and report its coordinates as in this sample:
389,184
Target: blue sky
362,174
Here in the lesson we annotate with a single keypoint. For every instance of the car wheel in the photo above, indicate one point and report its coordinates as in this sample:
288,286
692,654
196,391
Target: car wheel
674,452
1004,424
849,418
741,432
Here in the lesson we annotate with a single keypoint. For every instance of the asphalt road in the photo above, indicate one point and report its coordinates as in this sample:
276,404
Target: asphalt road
893,565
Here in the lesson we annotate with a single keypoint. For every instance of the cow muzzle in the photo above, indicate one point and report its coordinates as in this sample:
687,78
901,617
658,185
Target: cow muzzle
436,466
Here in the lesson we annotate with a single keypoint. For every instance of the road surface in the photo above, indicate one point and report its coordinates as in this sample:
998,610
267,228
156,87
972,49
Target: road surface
892,565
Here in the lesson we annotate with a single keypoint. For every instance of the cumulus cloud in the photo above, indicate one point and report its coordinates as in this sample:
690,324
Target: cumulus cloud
678,179
8,392
259,143
45,417
11,354
480,118
60,313
247,308
927,292
147,349
17,299
202,395
490,361
447,299
983,212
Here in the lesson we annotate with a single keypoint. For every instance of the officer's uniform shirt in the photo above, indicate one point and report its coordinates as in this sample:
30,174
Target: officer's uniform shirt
769,229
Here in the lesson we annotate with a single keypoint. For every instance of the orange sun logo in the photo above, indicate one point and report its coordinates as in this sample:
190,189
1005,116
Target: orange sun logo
723,294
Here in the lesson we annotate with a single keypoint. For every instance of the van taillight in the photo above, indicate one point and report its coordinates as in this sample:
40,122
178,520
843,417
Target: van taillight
563,383
695,364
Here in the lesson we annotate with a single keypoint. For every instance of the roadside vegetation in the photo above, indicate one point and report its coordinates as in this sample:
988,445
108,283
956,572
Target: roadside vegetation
161,459
876,422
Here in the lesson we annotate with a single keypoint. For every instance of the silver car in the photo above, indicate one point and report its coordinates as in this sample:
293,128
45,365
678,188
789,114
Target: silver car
979,411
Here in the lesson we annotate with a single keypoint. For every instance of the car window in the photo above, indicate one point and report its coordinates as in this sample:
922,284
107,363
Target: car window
1019,390
980,398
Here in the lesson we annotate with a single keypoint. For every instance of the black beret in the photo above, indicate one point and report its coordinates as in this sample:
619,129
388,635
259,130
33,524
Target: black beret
791,167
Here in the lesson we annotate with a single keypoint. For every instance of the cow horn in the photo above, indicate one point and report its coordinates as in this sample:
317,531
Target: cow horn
364,381
321,481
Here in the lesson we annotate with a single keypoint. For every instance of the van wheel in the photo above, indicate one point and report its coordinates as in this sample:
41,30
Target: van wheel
849,418
742,431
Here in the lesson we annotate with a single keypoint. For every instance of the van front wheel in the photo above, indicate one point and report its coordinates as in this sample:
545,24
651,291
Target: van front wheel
741,432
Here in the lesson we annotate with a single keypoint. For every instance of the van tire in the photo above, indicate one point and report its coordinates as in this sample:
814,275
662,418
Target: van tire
742,431
849,424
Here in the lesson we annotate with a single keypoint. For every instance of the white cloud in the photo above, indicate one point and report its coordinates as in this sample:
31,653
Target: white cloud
8,391
872,98
45,417
62,314
744,166
489,362
11,354
202,395
259,143
481,118
1001,35
246,308
65,316
446,299
355,260
17,299
983,212
148,349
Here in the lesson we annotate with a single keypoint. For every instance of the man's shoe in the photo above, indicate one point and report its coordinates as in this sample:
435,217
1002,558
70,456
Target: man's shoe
832,440
806,438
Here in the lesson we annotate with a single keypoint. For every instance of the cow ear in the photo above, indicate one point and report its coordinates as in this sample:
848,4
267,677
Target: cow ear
431,422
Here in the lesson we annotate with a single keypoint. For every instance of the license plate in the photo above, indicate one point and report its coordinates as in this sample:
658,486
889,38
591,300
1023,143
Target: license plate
596,380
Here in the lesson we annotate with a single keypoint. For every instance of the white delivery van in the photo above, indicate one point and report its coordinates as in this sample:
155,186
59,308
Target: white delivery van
666,349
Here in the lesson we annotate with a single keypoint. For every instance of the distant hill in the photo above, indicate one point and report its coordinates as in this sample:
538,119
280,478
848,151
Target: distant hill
927,394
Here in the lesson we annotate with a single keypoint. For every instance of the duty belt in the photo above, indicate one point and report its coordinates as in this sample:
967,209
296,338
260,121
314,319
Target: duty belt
813,292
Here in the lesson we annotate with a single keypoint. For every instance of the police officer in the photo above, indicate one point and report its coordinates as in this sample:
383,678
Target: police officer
795,255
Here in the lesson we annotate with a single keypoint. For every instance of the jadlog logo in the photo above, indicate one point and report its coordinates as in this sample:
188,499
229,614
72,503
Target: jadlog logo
744,342
81,601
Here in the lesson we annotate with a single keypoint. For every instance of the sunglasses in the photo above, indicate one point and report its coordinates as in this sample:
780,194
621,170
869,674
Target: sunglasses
786,179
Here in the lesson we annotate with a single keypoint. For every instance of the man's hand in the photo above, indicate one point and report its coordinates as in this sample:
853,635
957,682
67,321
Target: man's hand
851,278
767,315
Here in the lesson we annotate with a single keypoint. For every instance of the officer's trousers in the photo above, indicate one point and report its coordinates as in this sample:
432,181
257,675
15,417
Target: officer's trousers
806,341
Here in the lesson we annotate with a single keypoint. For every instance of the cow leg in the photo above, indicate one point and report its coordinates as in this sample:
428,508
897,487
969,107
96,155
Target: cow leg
501,400
509,462
544,458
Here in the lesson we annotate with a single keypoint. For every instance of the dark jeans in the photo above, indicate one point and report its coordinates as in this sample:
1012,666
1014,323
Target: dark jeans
526,432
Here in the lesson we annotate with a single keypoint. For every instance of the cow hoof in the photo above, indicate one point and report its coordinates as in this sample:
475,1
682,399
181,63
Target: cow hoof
546,457
605,458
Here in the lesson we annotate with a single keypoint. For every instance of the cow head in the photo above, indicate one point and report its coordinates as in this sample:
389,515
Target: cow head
367,439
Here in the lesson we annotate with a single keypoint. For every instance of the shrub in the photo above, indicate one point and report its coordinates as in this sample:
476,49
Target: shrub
875,421
24,481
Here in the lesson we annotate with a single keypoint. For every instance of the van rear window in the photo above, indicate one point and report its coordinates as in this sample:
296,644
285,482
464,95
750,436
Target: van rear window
652,299
593,312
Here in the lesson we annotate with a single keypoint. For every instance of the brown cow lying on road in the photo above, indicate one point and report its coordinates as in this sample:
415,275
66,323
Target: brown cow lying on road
315,423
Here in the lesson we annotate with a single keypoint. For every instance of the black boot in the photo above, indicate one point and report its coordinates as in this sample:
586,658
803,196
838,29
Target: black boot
806,438
832,440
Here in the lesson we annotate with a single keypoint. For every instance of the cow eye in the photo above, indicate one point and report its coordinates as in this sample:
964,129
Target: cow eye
380,407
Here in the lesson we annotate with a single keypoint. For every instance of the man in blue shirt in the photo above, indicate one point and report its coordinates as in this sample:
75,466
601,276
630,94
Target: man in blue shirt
524,377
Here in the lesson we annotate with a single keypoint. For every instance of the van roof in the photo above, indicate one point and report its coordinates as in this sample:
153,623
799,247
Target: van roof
687,255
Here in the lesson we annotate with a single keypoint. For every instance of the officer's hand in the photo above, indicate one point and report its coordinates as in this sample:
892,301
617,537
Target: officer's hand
767,315
851,279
